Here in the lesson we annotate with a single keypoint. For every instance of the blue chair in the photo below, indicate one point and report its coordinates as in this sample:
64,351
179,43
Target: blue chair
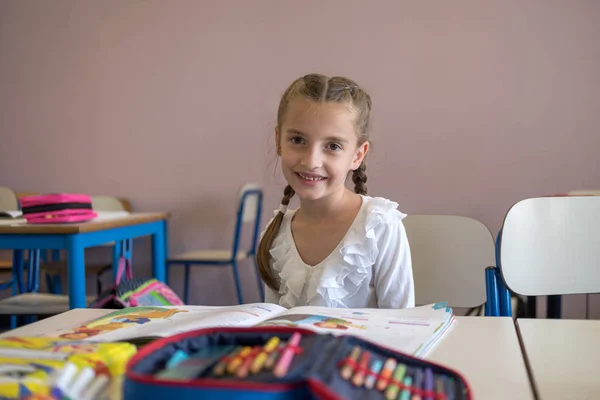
249,210
498,297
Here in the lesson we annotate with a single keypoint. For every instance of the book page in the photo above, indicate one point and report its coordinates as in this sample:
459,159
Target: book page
408,330
160,321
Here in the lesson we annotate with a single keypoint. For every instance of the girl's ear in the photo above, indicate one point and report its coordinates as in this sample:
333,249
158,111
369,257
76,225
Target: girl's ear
277,141
360,154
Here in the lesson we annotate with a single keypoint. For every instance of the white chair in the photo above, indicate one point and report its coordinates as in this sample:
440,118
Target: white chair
450,255
550,246
248,212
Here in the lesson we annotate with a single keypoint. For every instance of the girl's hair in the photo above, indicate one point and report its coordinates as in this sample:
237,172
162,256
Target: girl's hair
320,89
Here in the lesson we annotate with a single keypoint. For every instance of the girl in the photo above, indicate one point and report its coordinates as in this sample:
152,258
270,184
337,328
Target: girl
339,248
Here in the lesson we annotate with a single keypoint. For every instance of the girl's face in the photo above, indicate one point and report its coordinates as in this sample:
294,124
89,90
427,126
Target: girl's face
318,147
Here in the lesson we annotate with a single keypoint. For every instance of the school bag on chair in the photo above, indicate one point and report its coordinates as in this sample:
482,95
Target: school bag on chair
133,292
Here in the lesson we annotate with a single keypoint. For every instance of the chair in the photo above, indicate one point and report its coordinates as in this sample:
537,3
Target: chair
249,209
450,255
549,246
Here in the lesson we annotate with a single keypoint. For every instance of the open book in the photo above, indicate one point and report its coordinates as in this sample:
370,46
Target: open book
411,330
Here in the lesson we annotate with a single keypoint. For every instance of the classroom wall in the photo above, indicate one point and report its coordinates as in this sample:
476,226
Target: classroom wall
171,104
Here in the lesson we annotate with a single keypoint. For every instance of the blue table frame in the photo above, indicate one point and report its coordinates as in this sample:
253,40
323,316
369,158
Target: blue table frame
75,238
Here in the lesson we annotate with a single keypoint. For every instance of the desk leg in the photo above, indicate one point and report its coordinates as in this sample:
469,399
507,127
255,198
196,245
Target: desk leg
76,272
159,252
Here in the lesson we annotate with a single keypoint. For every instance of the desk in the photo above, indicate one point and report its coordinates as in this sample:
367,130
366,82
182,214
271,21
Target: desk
486,351
563,357
75,238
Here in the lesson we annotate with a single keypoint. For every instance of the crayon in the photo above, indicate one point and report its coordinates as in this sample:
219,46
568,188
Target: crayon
393,388
238,359
348,367
259,361
242,371
386,374
375,368
361,370
287,355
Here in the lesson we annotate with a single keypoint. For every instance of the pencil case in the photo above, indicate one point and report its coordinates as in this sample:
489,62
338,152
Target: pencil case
57,208
322,366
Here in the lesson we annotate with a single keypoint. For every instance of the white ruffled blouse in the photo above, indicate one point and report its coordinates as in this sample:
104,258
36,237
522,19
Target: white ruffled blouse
370,268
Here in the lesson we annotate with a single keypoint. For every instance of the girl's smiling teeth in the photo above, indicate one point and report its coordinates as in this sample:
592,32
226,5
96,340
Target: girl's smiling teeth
310,177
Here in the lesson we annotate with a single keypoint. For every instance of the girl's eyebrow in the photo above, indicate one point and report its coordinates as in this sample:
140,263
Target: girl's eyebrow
330,138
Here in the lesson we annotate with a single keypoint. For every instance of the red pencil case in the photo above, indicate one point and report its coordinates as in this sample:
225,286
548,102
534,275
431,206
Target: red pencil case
315,370
57,208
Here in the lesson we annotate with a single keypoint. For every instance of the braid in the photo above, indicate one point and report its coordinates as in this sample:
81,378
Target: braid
263,255
359,177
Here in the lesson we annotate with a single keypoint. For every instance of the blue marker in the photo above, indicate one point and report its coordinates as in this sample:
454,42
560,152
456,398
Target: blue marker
178,357
375,368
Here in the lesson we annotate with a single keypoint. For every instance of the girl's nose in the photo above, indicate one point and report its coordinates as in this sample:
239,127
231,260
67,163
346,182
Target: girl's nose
312,159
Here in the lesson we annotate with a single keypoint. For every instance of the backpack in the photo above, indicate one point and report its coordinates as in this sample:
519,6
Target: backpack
133,292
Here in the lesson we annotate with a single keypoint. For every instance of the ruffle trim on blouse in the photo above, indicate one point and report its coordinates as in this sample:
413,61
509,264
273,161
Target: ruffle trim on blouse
336,282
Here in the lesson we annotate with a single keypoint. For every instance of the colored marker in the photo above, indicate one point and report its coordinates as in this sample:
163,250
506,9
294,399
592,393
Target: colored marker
405,394
361,370
259,361
349,366
439,386
418,384
287,355
176,358
63,380
392,390
238,360
428,384
450,388
97,388
386,374
375,368
80,382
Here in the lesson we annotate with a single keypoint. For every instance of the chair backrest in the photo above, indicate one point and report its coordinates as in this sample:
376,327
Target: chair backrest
8,200
449,256
249,209
110,203
551,246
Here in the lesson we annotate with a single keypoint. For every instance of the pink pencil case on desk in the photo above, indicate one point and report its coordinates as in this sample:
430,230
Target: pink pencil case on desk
57,208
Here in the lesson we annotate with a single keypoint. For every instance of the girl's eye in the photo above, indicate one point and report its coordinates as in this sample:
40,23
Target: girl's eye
334,147
297,140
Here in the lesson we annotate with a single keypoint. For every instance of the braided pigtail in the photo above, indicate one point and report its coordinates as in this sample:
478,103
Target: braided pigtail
263,256
359,177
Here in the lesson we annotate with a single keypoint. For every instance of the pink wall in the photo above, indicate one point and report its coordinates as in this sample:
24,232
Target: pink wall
476,104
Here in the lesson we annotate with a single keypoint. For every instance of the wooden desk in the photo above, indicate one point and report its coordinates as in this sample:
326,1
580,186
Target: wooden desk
486,351
563,357
75,238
